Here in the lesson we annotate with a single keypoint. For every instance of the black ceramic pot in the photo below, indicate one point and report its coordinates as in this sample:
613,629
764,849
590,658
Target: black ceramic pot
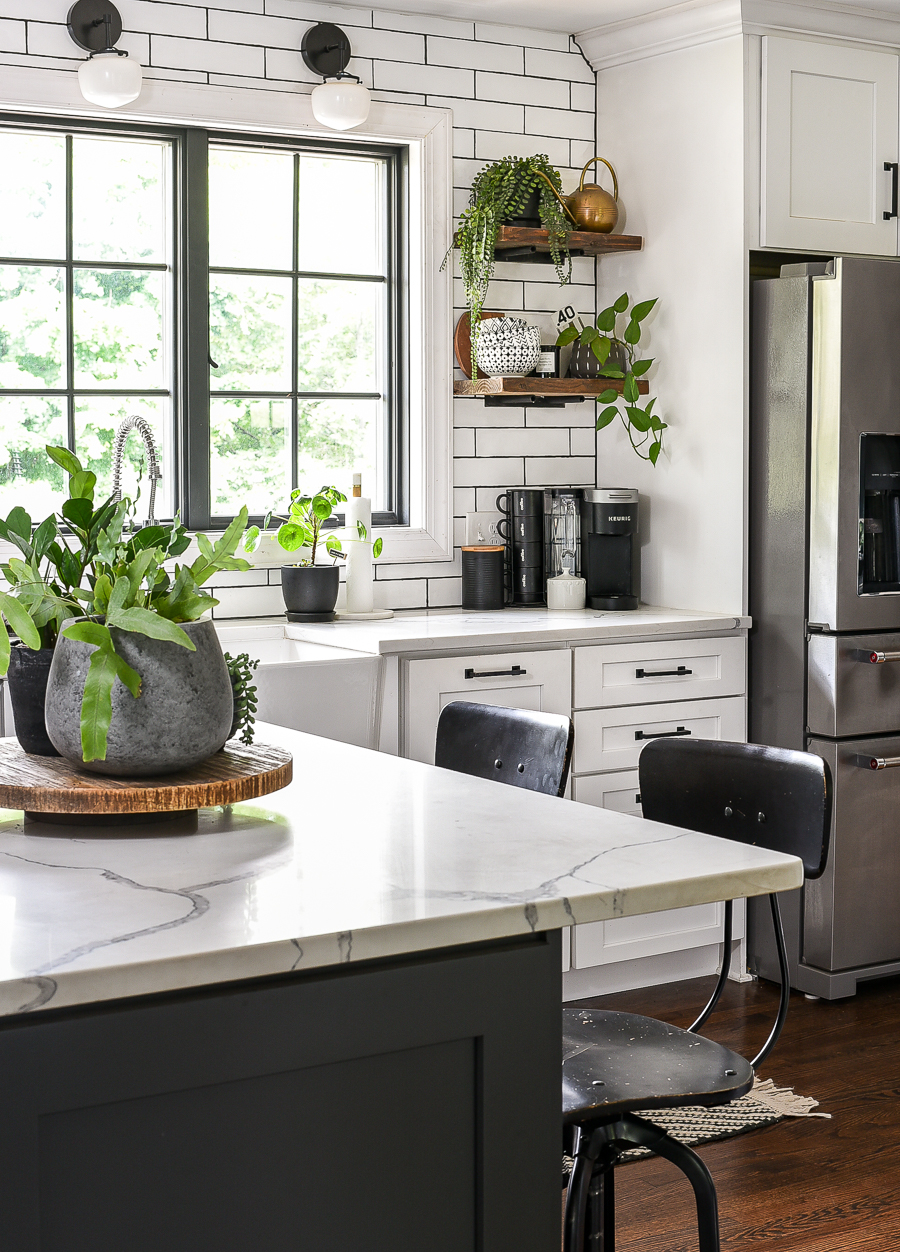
28,674
531,211
310,591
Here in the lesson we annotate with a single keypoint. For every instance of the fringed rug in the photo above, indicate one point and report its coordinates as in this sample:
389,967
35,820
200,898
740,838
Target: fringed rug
762,1106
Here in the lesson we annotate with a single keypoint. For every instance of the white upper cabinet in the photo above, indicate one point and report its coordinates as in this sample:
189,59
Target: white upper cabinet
830,123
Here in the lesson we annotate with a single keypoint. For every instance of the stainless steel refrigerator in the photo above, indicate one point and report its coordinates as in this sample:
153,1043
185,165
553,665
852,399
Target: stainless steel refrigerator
825,596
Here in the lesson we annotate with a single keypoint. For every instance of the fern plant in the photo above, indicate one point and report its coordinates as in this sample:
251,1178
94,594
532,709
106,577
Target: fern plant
499,192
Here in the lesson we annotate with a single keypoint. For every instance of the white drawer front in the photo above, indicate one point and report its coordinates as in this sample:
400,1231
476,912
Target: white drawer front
619,791
648,934
520,680
612,739
607,675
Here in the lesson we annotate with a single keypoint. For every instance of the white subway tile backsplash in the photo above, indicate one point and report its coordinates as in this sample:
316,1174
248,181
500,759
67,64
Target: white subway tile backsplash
444,593
386,45
560,122
308,12
463,142
574,416
522,442
501,296
583,96
583,440
513,90
519,35
439,79
152,15
562,471
476,413
582,150
52,40
545,298
248,602
35,10
223,58
239,578
493,145
544,63
429,569
12,36
246,6
503,58
463,501
482,114
488,471
418,22
486,497
412,594
463,442
253,28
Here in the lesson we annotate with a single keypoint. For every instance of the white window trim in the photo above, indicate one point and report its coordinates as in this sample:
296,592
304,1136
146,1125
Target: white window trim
428,134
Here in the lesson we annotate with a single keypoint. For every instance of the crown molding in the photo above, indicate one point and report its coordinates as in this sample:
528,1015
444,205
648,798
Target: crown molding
696,22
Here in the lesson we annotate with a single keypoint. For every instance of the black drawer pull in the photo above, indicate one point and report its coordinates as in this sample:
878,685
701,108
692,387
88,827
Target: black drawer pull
637,798
891,168
515,672
662,673
662,734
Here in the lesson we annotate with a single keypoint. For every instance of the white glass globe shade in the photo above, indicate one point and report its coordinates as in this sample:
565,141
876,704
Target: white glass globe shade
110,80
341,105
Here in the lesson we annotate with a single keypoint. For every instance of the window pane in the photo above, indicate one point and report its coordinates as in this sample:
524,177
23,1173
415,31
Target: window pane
337,438
32,326
96,420
33,195
341,215
340,335
250,333
118,320
250,457
119,194
250,203
27,476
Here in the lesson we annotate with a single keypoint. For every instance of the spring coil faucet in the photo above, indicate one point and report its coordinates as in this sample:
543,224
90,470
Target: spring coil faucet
142,426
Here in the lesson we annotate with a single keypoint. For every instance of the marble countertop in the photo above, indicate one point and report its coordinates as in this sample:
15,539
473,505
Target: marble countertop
365,855
451,629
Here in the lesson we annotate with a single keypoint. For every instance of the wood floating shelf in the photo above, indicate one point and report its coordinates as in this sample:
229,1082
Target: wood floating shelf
523,243
553,388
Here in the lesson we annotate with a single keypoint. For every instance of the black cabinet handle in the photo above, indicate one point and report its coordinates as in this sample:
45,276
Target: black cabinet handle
515,672
662,734
662,673
892,166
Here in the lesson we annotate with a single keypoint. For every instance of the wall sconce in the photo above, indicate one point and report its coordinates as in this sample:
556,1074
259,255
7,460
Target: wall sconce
107,77
343,103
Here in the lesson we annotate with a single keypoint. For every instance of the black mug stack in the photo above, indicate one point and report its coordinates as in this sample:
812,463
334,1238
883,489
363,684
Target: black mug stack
523,531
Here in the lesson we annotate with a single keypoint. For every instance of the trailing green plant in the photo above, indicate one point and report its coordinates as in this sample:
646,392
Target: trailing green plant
240,671
499,192
605,343
111,576
302,528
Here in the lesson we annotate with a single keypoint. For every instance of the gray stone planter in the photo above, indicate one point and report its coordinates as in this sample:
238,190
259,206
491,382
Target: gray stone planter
182,716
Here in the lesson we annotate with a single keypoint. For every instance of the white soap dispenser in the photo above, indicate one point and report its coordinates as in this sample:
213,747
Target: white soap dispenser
566,590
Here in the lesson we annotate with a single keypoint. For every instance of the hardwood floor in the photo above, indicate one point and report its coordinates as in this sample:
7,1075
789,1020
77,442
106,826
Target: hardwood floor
804,1184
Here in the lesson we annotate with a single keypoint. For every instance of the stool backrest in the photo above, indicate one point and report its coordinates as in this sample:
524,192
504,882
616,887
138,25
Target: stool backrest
770,797
514,746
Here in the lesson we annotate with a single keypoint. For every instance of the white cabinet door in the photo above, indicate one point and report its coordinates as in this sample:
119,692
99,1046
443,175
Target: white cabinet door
829,125
612,739
520,680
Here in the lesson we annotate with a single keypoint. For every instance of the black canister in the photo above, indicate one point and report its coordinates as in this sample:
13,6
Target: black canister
482,577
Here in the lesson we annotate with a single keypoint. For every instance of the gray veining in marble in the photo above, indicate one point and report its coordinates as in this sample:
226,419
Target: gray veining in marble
363,856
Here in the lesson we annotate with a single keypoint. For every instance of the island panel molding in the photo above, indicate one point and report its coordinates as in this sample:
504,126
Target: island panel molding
51,784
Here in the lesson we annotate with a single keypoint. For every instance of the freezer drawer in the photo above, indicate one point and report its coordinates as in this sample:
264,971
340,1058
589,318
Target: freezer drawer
607,739
606,675
847,693
851,915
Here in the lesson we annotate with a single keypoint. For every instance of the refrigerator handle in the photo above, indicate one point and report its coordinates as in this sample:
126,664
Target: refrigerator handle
879,762
892,166
879,658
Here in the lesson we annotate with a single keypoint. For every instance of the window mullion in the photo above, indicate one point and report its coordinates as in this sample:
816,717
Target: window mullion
70,296
295,330
194,420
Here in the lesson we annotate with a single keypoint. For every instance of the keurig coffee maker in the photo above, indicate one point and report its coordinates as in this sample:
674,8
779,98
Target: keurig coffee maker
610,549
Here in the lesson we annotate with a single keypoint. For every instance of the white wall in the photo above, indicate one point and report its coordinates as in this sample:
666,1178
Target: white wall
673,126
511,91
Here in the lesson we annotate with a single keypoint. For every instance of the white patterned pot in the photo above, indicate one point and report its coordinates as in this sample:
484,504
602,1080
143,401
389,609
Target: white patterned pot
507,347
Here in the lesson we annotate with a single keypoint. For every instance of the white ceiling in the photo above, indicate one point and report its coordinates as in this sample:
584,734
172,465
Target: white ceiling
570,16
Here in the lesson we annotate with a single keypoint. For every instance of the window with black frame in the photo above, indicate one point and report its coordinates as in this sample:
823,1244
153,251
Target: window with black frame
299,386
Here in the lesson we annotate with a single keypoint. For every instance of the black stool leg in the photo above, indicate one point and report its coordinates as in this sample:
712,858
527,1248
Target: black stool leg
600,1224
635,1130
590,1202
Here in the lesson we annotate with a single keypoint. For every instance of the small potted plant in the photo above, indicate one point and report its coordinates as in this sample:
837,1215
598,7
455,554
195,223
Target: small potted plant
310,590
502,192
616,360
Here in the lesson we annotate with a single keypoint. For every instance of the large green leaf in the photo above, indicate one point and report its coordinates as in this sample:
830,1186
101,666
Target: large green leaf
20,620
567,336
622,303
607,396
630,389
96,704
611,371
607,416
119,597
4,652
130,677
63,457
89,632
601,348
19,522
78,511
292,536
82,484
640,311
588,335
252,539
638,418
639,369
146,622
44,536
606,320
321,506
655,449
377,547
632,333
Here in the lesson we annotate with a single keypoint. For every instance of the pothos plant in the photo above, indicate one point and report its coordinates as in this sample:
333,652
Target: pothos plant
499,192
89,562
604,342
302,528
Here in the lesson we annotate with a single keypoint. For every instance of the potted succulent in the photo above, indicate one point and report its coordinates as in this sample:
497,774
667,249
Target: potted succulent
137,683
616,359
310,590
514,187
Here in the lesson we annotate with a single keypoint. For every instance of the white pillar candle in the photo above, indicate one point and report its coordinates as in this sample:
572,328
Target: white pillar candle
360,566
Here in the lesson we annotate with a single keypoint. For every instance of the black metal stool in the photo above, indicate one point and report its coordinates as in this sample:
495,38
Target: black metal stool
513,746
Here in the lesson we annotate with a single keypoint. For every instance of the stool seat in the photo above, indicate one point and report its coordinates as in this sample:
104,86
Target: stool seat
614,1063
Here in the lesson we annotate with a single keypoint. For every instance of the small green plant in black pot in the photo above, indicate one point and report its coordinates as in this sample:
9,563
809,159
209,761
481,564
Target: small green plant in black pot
310,591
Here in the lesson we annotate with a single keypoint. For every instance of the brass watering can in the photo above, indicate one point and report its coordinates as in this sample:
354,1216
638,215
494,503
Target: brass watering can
590,207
